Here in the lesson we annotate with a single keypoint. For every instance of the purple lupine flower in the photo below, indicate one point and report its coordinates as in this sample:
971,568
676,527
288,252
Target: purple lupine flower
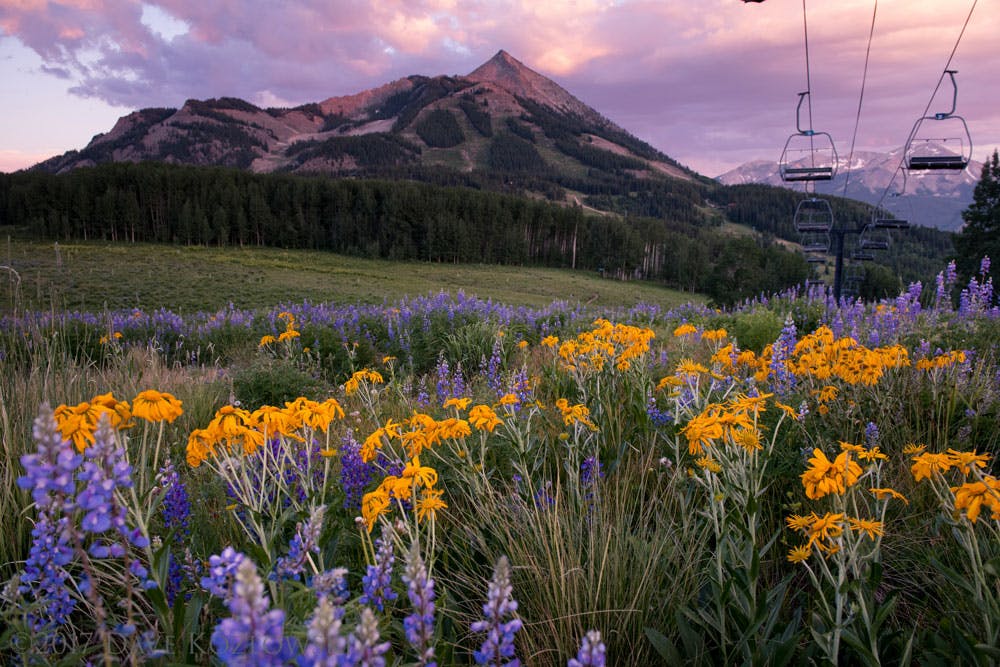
254,634
325,645
364,649
656,416
458,385
443,385
221,572
332,584
590,471
951,273
377,583
45,578
499,643
941,298
49,474
543,496
355,474
419,625
591,653
176,506
49,471
782,379
176,512
423,398
306,540
871,434
105,471
493,368
521,387
984,266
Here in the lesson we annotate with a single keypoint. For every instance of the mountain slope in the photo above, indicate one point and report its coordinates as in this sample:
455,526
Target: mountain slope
934,199
502,126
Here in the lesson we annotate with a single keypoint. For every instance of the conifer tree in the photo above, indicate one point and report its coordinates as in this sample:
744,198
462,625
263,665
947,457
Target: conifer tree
981,234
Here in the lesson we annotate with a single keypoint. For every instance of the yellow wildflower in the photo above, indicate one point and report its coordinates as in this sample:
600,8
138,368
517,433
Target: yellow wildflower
928,463
453,429
74,427
422,475
509,399
824,530
690,368
457,403
870,526
430,502
748,439
685,330
575,414
883,493
972,496
800,523
787,409
372,444
373,505
266,340
708,463
155,406
872,455
825,477
965,460
483,418
714,334
701,431
800,553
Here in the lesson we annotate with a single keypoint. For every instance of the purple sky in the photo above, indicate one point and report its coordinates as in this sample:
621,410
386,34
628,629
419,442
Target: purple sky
712,83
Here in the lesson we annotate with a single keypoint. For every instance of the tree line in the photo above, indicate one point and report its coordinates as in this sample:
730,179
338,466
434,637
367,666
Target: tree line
160,203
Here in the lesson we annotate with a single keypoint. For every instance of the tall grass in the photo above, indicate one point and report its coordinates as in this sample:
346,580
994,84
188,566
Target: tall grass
637,480
619,556
52,371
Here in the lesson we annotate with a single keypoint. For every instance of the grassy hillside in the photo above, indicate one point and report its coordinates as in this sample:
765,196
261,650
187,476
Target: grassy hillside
91,276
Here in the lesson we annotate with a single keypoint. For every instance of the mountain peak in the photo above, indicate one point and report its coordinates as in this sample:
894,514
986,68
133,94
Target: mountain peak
507,72
501,65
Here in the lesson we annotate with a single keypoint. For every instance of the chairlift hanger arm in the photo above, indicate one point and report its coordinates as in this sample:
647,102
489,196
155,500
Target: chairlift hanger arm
798,116
954,95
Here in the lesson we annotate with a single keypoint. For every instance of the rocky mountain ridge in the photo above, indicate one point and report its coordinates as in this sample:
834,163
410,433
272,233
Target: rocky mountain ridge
932,199
501,116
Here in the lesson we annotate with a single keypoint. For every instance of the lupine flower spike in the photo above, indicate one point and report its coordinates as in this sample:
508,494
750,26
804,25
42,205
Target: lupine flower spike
499,644
419,625
378,581
254,634
591,653
364,649
326,646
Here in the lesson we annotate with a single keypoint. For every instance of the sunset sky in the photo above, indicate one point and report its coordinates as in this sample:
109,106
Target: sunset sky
712,83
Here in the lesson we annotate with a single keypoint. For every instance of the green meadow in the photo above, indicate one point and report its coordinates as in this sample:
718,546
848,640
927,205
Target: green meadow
234,456
96,276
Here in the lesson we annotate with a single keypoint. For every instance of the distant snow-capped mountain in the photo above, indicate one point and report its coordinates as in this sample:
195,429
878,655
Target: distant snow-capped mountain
931,199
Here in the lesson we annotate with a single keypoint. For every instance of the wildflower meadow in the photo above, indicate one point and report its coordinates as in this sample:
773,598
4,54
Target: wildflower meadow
449,481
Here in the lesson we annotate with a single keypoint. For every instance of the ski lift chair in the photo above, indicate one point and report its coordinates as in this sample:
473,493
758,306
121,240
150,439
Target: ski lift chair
813,215
948,147
808,155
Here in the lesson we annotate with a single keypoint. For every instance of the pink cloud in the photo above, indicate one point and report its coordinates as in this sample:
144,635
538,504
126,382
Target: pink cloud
720,78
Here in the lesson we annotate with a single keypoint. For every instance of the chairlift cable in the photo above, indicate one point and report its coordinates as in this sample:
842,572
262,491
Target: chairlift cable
951,56
805,32
861,97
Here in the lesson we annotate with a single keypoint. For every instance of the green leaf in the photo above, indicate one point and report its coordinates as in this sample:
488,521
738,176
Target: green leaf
664,647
